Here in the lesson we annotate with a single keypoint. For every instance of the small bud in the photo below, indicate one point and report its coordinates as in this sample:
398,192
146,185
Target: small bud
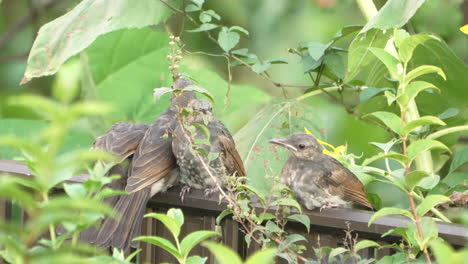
171,37
178,57
172,43
177,39
169,57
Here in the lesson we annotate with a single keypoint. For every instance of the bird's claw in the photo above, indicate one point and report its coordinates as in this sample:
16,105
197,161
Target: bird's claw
328,206
209,192
185,190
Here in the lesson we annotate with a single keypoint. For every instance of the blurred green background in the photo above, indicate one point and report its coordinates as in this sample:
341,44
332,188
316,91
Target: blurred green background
123,67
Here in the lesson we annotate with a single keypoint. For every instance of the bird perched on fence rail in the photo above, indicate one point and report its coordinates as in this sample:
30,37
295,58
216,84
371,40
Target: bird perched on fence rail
153,169
210,136
319,180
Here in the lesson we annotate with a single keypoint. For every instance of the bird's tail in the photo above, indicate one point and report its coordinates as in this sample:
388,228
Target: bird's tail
120,233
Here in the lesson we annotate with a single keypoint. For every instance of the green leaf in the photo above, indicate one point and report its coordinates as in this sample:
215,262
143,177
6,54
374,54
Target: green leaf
407,46
455,178
430,231
159,92
288,202
431,201
192,8
223,214
389,119
177,215
206,16
388,59
264,256
450,112
71,33
10,190
227,39
193,239
195,88
460,158
198,2
413,89
345,31
107,192
223,254
359,54
415,148
424,69
365,244
369,92
196,260
335,63
204,27
444,253
394,14
260,67
162,243
169,222
303,219
399,35
391,155
75,190
114,64
390,211
335,252
422,121
413,178
316,50
239,30
252,189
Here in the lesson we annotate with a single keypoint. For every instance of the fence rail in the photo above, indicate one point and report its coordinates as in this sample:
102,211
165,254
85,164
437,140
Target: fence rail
200,213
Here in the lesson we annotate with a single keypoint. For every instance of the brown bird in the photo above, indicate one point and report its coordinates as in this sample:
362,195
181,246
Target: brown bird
153,169
227,162
121,140
319,180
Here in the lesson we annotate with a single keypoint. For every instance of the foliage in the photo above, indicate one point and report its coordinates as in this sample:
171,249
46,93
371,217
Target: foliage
79,208
173,221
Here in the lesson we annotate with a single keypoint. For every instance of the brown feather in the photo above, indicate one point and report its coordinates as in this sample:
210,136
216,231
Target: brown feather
232,156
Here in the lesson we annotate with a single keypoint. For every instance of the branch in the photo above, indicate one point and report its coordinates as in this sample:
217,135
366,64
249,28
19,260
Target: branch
22,22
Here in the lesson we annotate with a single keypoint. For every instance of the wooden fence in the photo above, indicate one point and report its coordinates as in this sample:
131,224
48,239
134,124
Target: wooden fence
327,227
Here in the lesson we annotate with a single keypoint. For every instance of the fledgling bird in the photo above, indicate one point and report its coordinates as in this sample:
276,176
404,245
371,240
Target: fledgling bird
227,163
319,180
153,169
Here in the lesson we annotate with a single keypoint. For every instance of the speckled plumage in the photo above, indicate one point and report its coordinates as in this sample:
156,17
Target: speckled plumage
319,180
228,162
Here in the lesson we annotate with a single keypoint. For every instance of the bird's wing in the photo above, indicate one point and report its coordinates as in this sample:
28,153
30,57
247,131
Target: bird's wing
232,159
344,183
121,139
153,158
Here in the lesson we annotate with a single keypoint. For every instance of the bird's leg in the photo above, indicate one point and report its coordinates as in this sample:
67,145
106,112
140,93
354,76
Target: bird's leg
329,205
209,192
185,190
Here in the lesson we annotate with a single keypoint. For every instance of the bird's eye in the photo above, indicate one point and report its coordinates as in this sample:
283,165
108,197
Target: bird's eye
301,146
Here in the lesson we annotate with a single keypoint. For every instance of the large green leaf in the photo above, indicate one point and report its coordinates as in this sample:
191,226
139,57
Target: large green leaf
389,211
359,54
276,120
125,74
162,243
422,145
170,223
394,14
391,120
409,44
422,121
460,158
264,256
71,33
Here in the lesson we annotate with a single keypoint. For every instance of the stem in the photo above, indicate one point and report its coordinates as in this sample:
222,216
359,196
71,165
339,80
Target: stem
368,8
447,131
53,240
418,225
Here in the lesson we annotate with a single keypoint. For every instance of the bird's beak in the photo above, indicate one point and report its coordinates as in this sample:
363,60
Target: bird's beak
282,142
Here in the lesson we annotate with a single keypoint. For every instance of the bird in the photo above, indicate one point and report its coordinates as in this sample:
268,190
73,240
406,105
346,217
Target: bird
317,179
121,139
152,169
216,140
